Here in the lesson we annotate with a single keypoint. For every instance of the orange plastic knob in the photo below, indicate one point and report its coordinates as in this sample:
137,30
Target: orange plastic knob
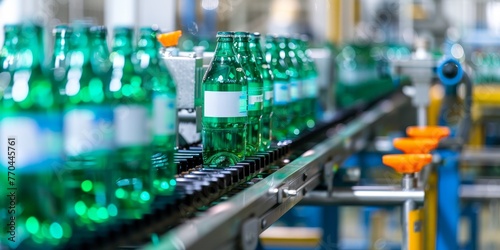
407,163
431,132
415,145
169,39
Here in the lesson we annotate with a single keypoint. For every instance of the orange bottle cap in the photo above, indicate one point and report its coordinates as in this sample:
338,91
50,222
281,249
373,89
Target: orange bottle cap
169,39
415,145
431,132
407,163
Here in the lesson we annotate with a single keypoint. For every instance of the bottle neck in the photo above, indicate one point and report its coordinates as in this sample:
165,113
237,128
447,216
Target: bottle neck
29,50
256,51
99,49
241,46
11,39
148,44
61,44
224,48
122,44
146,53
146,41
254,45
272,48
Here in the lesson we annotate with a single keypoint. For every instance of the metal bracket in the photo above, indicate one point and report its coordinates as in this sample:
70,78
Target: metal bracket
278,192
328,175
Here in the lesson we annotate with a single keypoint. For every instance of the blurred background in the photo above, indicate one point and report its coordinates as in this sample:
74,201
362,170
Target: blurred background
323,20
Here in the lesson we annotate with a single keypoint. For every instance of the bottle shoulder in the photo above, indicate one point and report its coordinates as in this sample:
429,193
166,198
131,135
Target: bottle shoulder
31,90
229,72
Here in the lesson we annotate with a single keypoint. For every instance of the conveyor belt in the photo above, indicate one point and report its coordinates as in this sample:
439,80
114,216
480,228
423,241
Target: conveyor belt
199,189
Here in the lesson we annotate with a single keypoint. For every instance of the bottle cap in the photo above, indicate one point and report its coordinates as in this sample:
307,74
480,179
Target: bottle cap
255,35
169,39
123,29
225,34
62,29
99,30
11,27
241,34
148,29
408,163
271,37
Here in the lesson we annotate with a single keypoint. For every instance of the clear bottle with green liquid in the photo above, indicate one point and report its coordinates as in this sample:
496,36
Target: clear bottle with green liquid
31,125
156,77
88,130
281,98
133,137
296,108
255,91
59,63
268,88
225,100
310,85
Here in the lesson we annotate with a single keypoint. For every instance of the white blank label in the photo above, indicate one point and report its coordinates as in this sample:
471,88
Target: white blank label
224,104
131,124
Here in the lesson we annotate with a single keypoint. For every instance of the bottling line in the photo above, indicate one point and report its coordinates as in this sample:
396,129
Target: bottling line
406,129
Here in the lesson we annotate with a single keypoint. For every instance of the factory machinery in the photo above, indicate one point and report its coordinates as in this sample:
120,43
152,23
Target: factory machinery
230,208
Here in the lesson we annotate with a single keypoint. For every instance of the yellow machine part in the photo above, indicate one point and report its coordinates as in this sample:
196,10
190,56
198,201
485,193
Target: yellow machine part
291,236
415,230
430,212
436,94
485,96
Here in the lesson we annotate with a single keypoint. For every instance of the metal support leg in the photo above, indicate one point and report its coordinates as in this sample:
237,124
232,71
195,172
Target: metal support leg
448,201
408,182
331,222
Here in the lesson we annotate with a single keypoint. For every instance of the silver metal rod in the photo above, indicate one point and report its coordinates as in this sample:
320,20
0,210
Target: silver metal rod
408,183
391,195
408,206
481,156
364,196
421,116
479,192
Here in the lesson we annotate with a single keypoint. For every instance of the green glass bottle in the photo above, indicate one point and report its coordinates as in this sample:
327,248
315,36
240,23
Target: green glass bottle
267,79
7,55
224,118
255,91
310,84
281,98
88,130
156,77
7,52
296,111
361,76
132,113
31,125
59,62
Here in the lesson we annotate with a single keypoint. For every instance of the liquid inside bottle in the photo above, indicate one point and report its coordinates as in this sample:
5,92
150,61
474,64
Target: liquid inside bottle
268,89
156,77
281,97
88,131
132,113
31,129
255,91
296,106
310,81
